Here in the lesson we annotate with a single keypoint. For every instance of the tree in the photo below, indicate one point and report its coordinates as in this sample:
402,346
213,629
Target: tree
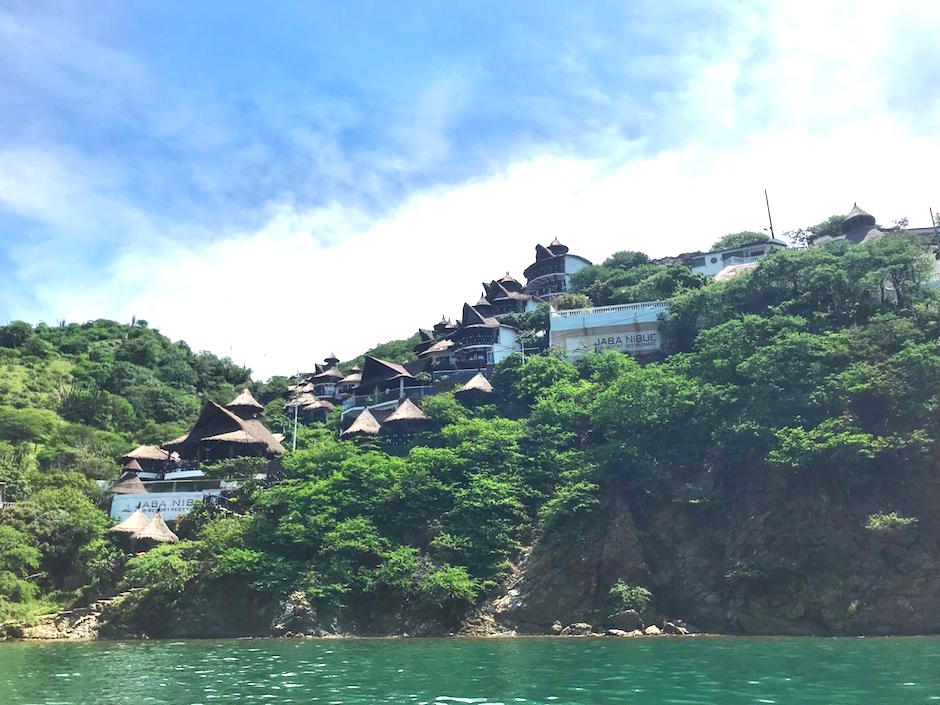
741,239
14,334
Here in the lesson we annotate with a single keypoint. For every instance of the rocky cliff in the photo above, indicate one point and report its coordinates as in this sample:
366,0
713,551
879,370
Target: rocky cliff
770,557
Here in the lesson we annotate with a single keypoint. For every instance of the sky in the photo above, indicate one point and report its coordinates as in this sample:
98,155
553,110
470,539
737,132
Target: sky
277,181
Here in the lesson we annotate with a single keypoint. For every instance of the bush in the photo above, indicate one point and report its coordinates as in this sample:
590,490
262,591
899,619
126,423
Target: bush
883,523
624,596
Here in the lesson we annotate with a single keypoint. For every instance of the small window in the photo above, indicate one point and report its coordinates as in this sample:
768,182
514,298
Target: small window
699,262
714,260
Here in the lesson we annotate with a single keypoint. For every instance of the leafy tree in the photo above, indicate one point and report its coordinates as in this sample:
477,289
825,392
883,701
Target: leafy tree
741,239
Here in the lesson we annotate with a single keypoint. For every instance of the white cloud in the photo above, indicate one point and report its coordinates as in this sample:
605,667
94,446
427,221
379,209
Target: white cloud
795,99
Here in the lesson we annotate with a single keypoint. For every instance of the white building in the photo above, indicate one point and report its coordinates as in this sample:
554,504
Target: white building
712,263
629,328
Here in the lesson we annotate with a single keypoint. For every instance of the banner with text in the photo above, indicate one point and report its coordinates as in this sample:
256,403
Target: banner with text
169,504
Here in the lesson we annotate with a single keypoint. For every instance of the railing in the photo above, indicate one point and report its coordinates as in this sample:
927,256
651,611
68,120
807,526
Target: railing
741,260
367,400
616,308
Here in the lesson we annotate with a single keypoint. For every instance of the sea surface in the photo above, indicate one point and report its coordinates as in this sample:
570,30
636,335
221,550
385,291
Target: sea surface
444,672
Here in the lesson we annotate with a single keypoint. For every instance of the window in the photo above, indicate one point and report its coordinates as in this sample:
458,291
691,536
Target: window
714,259
699,262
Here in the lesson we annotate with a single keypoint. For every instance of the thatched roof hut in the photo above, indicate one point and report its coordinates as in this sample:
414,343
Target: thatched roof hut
140,453
129,485
245,405
157,531
149,458
210,439
476,391
131,466
132,524
364,425
407,418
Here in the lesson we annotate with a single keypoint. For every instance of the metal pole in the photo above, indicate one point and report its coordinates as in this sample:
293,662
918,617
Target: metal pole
770,220
294,444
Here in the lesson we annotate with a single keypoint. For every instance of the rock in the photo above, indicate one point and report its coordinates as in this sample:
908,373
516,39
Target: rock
557,628
297,618
627,620
652,630
636,632
616,632
673,628
578,629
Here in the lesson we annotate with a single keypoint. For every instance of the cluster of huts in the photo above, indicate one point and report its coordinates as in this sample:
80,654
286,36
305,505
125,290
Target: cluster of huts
143,531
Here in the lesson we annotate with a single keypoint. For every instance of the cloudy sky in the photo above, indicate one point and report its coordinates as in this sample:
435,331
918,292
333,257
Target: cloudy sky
275,182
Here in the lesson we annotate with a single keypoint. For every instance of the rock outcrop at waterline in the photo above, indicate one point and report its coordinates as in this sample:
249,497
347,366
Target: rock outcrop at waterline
767,560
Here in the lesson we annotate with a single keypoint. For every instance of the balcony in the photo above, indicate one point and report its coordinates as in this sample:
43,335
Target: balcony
601,316
369,400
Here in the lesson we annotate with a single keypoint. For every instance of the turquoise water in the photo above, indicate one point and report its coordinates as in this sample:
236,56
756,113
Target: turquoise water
445,672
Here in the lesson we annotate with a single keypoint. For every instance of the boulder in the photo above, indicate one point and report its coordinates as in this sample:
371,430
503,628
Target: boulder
578,629
297,617
557,628
616,632
627,620
652,630
636,632
673,628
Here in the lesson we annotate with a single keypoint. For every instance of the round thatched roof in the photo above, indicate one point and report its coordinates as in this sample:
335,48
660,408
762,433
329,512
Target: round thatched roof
157,531
477,383
406,411
244,402
132,466
132,524
146,453
129,485
365,425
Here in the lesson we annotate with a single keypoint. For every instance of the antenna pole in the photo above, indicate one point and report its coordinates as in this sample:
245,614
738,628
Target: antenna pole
294,444
769,219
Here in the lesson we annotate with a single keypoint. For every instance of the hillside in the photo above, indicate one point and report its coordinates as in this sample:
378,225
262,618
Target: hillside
73,398
776,472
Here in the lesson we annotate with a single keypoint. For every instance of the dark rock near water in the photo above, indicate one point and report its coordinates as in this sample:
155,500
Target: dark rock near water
297,618
578,629
628,620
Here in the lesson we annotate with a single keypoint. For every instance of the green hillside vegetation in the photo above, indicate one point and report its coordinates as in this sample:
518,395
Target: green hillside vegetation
802,370
73,398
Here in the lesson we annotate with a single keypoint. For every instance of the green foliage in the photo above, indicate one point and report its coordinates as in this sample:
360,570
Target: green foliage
624,596
741,239
567,302
884,523
628,277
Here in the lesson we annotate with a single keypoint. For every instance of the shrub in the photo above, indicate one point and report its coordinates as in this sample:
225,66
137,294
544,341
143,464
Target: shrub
624,596
883,523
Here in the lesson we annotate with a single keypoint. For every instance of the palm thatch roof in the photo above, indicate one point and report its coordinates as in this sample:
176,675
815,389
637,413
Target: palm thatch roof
153,453
244,402
406,411
557,248
352,378
132,524
239,436
129,485
131,466
157,531
330,374
364,425
215,421
477,383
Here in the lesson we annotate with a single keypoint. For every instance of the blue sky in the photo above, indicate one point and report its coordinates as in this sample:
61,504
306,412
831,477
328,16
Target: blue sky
277,181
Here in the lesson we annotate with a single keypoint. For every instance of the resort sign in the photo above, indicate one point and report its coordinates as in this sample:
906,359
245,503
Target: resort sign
628,328
169,504
624,341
